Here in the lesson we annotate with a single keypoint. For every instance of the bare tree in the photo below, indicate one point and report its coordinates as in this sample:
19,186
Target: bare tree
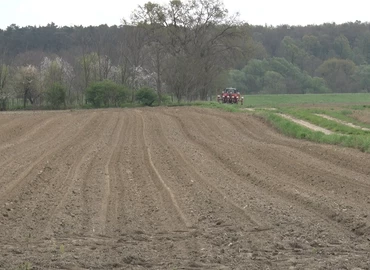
133,41
104,40
201,33
27,84
4,90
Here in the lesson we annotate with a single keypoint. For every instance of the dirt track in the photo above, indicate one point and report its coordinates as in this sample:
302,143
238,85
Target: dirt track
176,188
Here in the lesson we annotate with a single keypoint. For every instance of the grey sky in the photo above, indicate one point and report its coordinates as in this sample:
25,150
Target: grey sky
92,12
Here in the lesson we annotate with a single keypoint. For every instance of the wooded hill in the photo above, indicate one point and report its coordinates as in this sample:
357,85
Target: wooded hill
188,50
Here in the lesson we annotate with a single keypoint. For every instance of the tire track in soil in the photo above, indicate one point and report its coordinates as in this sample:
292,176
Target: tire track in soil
82,148
93,184
237,192
266,237
188,169
136,174
137,211
226,165
322,212
180,177
132,190
113,168
142,226
213,212
77,210
226,216
166,192
109,179
183,235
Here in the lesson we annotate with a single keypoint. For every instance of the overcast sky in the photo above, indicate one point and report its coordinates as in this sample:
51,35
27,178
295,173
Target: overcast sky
92,12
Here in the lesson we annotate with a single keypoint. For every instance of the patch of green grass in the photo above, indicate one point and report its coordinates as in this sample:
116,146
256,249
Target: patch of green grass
344,115
361,142
305,99
360,107
216,105
209,104
309,115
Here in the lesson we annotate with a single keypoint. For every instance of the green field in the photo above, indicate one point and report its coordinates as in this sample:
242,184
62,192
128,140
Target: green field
306,99
306,107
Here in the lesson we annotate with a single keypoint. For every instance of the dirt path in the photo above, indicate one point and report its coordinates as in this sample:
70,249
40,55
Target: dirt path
176,188
342,122
306,124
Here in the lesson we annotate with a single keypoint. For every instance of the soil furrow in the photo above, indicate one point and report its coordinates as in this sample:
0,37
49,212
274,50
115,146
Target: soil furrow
109,177
160,182
194,178
44,207
176,188
260,177
37,156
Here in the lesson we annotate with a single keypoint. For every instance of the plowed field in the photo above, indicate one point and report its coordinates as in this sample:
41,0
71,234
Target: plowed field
176,188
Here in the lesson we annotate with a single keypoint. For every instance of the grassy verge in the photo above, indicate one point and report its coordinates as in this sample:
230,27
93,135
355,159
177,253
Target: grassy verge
353,138
305,99
344,115
309,115
209,104
361,142
216,105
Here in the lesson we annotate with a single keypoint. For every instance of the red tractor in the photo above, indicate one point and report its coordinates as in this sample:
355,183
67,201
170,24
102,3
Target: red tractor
230,95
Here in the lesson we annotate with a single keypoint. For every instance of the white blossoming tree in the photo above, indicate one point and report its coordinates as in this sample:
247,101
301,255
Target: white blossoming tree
56,72
27,81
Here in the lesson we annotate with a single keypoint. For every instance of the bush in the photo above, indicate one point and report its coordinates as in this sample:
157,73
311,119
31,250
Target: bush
56,96
146,96
106,93
166,99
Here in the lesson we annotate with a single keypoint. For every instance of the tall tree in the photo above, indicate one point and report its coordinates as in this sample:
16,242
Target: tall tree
342,47
199,32
4,91
133,42
27,83
338,74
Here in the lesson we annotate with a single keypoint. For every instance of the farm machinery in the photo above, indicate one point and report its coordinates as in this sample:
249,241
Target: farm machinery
230,95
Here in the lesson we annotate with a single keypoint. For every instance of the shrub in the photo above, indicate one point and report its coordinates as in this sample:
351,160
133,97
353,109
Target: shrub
146,96
56,96
106,93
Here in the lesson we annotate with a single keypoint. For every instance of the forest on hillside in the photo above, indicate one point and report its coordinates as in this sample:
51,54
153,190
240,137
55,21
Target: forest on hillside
184,50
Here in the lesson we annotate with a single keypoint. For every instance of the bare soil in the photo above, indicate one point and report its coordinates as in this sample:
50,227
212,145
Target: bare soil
362,116
176,188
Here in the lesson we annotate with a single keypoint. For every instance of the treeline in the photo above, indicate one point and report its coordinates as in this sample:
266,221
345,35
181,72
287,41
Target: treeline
179,49
185,50
307,59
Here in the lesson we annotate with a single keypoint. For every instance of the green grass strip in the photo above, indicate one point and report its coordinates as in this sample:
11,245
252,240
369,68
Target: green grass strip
343,114
294,130
306,99
209,104
309,115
